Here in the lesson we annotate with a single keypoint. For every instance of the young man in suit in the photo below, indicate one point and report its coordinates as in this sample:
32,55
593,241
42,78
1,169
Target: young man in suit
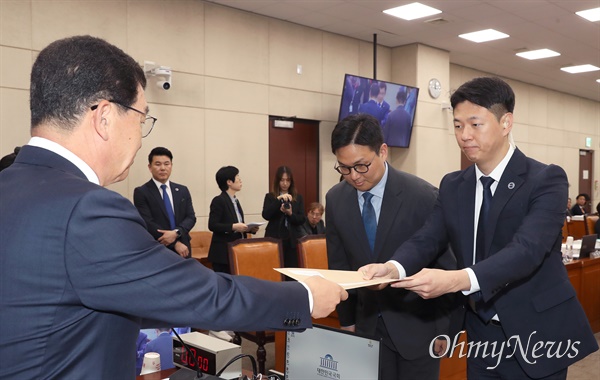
79,272
503,218
166,206
368,215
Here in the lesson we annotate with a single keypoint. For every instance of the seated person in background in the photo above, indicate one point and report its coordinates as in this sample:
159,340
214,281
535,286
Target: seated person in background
579,208
568,211
314,224
598,221
163,345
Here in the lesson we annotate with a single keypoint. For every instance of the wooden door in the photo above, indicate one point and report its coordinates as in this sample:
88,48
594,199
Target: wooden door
298,148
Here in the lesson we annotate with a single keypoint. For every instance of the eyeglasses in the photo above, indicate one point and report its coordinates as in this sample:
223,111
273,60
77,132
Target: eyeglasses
359,168
147,124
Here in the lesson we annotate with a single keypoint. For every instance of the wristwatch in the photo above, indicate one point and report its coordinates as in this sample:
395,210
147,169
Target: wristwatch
178,232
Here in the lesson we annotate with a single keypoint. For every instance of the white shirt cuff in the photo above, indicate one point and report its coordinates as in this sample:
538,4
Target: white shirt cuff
310,297
400,268
474,282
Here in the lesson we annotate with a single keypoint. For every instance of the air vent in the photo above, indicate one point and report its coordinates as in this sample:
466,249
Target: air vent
436,21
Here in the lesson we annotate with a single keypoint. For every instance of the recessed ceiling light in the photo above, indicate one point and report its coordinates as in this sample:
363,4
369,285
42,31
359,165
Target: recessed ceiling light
484,35
590,14
598,80
580,69
412,11
538,54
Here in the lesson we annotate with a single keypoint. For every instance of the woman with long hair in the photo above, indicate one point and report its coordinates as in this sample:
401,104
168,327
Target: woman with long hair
284,209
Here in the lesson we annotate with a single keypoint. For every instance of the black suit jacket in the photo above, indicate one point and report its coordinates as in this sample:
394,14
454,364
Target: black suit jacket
148,200
523,274
412,322
306,229
397,128
220,220
80,275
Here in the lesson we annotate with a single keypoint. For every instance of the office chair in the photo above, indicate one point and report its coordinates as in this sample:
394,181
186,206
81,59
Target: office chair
256,258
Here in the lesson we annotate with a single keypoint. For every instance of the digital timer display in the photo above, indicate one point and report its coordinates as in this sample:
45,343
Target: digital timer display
200,359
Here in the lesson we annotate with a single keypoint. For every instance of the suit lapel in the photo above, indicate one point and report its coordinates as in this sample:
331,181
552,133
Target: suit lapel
177,197
509,184
230,207
390,206
466,213
155,193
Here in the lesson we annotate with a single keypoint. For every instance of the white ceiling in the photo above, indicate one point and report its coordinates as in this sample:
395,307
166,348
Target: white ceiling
531,24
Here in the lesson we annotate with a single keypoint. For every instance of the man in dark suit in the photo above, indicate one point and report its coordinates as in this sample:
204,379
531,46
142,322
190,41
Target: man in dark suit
503,218
79,272
398,125
580,203
166,206
400,204
372,107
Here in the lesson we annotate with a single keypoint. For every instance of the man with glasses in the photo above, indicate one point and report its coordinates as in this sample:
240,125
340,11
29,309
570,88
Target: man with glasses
368,216
314,223
166,206
79,272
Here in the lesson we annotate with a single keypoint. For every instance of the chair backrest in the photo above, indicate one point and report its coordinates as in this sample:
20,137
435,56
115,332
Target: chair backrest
591,224
200,243
312,252
577,229
256,258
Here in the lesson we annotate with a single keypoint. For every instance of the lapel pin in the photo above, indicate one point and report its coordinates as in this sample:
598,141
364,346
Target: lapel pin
177,189
511,185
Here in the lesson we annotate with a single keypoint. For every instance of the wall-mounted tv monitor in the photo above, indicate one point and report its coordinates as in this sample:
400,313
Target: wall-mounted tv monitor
393,104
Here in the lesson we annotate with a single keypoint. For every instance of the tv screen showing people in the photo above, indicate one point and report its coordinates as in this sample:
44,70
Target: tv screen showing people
393,104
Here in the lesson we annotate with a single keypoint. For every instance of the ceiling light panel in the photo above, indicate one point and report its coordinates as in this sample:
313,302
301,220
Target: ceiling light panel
412,11
580,69
538,54
592,15
484,35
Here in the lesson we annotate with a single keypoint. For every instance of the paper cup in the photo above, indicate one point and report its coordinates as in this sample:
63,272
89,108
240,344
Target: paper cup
151,363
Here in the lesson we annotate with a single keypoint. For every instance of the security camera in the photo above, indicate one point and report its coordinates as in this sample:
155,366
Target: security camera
162,72
164,84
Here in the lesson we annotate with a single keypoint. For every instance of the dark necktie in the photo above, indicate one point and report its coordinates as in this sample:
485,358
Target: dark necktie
168,206
483,215
484,310
369,219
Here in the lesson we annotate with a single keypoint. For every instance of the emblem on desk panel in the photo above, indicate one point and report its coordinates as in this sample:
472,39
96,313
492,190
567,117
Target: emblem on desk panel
328,367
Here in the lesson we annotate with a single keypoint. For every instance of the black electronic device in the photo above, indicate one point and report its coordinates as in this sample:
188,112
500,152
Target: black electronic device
588,245
206,355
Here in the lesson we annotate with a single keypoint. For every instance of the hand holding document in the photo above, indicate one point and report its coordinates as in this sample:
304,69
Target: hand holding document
255,224
346,279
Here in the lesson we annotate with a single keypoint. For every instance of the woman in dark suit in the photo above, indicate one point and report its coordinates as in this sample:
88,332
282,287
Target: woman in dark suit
284,209
223,220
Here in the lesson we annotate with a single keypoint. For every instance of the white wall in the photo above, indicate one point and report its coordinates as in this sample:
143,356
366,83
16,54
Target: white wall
233,69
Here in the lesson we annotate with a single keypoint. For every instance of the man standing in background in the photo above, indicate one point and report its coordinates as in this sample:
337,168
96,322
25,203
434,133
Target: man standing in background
165,206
